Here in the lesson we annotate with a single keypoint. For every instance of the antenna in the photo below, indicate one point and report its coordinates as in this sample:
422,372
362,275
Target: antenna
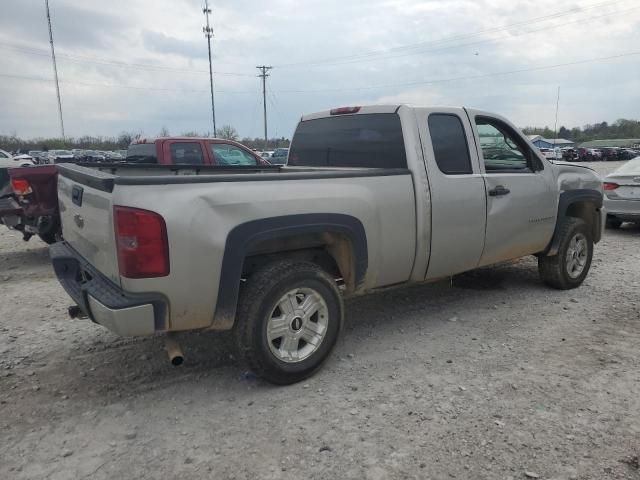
264,69
208,33
55,68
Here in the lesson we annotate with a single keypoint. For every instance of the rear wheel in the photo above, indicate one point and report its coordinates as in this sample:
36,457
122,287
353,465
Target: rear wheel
570,266
289,318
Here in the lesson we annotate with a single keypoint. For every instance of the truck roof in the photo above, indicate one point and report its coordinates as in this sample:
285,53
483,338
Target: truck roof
361,109
156,139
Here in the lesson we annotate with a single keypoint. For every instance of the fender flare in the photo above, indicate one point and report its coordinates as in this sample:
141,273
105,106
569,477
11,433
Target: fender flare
567,199
242,238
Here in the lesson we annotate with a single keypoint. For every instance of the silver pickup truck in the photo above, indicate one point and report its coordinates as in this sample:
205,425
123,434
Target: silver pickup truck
371,197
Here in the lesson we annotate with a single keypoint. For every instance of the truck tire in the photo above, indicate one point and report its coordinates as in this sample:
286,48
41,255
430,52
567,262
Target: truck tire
289,317
570,266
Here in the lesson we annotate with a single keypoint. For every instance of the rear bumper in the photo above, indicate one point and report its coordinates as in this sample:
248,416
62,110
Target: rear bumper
123,313
623,209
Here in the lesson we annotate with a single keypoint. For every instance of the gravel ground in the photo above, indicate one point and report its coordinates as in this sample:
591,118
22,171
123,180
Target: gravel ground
490,376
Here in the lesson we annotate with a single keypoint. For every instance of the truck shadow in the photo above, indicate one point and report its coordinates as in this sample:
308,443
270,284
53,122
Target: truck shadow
107,368
112,367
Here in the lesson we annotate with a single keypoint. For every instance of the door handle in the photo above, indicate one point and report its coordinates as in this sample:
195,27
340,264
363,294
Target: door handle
498,191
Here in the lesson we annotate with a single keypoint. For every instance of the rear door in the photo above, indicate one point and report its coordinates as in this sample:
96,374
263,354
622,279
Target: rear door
458,207
522,200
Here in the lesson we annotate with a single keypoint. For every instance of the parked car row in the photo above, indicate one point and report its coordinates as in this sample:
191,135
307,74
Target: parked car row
275,157
582,154
28,196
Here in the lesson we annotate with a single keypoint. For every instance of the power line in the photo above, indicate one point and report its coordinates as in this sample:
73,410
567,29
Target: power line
468,77
107,85
345,89
489,40
389,53
208,32
264,69
55,68
115,63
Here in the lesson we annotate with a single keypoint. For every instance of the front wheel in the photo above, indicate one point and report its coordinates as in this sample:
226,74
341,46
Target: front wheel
289,318
569,267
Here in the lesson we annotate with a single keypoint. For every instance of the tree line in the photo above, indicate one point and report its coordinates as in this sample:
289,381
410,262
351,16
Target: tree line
621,128
13,143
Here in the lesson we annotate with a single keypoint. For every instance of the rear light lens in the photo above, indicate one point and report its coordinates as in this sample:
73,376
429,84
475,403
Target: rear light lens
21,186
142,244
610,186
344,110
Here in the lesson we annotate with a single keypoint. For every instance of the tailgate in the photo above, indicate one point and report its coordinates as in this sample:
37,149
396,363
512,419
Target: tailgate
86,212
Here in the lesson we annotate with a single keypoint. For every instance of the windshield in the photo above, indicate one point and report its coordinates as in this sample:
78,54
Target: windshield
142,153
363,141
632,167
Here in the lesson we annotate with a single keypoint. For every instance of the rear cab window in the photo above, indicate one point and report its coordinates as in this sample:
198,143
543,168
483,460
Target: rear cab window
449,142
189,153
142,153
356,141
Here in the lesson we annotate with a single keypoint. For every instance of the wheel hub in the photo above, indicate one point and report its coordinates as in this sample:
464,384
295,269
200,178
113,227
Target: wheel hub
577,254
297,325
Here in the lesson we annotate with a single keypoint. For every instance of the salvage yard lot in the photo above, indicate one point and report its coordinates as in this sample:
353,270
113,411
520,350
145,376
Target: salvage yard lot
490,376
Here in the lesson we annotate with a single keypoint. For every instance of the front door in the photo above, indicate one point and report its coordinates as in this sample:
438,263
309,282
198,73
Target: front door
520,193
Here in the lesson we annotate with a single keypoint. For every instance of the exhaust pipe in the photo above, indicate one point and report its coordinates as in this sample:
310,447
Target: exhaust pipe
75,311
173,350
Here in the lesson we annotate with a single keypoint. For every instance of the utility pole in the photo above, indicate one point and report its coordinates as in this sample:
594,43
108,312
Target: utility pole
555,126
264,69
55,68
208,32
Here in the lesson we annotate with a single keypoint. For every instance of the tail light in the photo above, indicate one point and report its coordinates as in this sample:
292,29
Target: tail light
141,242
610,186
344,110
21,186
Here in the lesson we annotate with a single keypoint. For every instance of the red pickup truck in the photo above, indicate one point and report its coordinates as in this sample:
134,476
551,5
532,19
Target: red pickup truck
29,196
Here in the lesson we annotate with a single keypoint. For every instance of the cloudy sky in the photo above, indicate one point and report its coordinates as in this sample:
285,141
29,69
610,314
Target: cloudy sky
140,65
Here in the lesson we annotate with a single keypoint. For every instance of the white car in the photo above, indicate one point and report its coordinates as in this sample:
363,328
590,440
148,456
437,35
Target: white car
622,194
7,160
551,154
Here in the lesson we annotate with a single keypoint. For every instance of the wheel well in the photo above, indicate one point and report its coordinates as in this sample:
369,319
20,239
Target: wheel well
333,252
588,212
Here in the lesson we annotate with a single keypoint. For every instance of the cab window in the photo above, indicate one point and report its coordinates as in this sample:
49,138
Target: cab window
186,153
231,155
449,144
503,150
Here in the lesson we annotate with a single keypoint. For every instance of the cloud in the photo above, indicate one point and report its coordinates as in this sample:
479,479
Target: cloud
158,42
324,55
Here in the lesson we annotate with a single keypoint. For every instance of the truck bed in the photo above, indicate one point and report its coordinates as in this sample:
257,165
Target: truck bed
105,177
207,209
